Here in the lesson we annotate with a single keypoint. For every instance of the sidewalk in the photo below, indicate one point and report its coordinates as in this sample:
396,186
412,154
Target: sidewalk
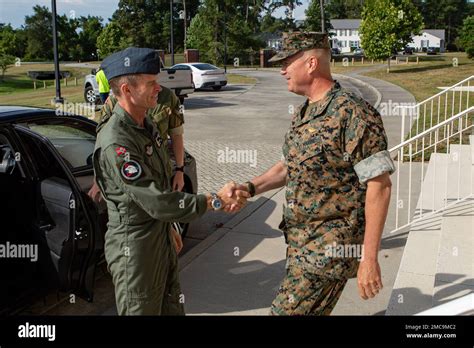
237,270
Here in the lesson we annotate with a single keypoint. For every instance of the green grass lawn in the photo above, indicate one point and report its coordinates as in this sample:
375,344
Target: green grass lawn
422,81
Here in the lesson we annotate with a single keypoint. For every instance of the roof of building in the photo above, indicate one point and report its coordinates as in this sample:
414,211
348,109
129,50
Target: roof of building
439,33
345,23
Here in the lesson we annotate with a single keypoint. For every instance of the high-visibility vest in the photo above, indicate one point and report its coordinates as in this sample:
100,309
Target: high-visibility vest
102,81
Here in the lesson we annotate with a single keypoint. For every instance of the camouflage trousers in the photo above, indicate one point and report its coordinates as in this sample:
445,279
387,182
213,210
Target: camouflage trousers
304,294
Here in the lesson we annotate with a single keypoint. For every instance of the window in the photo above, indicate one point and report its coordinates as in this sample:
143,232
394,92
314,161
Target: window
205,66
181,67
354,44
74,144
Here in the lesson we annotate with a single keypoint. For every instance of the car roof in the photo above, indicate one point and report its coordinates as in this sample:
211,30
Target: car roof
13,113
194,63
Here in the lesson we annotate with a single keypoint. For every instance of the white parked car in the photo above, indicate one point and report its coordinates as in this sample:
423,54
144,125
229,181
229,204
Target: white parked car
205,75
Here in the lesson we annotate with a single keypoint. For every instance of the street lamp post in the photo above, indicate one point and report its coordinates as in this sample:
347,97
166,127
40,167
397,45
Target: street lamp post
58,98
321,2
172,34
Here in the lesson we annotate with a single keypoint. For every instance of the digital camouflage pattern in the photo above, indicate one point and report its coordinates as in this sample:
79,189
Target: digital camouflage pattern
130,166
301,294
297,41
331,149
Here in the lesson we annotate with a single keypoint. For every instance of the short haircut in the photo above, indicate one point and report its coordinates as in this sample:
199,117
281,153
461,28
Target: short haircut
116,82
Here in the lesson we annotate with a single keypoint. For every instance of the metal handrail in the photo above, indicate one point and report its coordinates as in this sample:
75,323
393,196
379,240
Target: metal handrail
432,129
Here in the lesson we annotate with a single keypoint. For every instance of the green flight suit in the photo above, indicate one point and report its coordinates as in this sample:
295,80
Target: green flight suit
167,115
130,164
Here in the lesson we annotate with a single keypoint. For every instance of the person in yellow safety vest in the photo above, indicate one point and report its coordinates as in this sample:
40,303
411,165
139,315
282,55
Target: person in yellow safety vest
104,88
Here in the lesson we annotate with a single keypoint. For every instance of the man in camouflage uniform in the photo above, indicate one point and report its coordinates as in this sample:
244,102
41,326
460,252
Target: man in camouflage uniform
336,169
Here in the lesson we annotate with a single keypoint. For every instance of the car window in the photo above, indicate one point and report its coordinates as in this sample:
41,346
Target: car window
74,143
181,67
205,66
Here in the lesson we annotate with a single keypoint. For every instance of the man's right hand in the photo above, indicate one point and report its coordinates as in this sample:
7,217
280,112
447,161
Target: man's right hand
234,196
95,194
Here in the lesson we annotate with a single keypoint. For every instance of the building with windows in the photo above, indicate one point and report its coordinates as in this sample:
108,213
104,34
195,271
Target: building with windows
345,36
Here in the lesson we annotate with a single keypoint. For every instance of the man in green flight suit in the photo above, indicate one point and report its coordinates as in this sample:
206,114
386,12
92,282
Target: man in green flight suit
131,169
169,119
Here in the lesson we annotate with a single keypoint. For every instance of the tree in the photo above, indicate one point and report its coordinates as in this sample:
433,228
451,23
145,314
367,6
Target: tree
5,61
290,6
345,9
387,26
217,23
91,27
39,31
8,40
313,17
467,36
112,39
445,14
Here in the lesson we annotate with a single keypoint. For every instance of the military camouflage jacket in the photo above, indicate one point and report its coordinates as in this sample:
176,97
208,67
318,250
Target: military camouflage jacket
333,147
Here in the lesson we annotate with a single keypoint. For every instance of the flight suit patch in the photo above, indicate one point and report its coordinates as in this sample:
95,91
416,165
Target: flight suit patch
120,151
131,170
149,150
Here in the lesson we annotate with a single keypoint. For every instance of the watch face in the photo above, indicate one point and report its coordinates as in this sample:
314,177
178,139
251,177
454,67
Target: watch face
216,204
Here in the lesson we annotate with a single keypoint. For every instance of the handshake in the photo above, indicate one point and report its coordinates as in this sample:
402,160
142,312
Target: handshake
233,196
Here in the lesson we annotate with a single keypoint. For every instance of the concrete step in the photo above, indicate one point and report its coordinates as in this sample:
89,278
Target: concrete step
471,142
413,288
455,267
437,264
420,281
449,177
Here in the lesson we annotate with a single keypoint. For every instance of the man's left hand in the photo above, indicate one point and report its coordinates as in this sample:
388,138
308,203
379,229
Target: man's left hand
369,279
178,181
177,240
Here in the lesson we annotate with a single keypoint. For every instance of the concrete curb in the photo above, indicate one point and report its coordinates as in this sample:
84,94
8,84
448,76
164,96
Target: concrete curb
365,84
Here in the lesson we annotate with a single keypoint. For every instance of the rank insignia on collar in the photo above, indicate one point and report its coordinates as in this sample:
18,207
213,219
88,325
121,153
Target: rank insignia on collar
159,141
149,150
311,130
131,170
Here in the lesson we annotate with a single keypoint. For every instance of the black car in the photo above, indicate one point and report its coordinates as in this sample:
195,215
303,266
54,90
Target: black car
45,174
431,51
408,50
335,51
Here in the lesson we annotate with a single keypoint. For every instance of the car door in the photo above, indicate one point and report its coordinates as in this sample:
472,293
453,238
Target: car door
20,274
71,225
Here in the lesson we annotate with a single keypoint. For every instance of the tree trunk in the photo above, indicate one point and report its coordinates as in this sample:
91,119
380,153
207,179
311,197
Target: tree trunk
388,64
185,24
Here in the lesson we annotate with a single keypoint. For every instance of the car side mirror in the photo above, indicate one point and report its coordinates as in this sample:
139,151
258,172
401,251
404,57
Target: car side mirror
7,160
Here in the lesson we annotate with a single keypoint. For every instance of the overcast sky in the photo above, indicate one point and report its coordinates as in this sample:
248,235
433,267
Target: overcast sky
14,11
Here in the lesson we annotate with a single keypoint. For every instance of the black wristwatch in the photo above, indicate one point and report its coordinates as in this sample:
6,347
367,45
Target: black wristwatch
251,187
180,169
